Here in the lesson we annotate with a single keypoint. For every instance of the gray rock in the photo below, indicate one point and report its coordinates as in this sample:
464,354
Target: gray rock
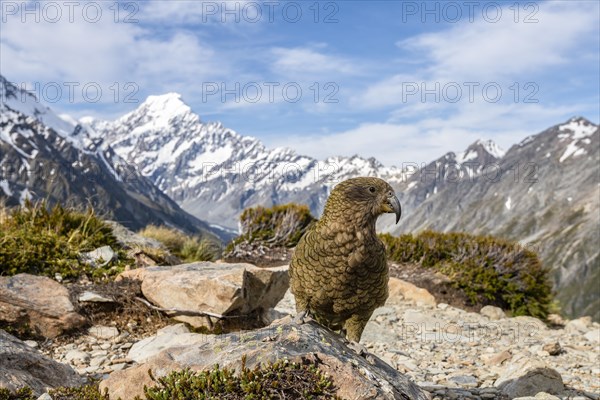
165,338
227,289
91,297
493,313
43,302
32,343
103,332
118,367
539,396
77,355
527,377
355,376
593,336
20,365
45,396
464,380
97,361
579,325
99,257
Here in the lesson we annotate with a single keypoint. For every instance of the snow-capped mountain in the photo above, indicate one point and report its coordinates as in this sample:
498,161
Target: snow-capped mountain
213,172
44,156
544,192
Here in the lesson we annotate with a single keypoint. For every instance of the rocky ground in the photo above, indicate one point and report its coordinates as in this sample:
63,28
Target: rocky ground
456,354
450,352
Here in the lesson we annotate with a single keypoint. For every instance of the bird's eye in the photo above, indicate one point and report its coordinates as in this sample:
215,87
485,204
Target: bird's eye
372,189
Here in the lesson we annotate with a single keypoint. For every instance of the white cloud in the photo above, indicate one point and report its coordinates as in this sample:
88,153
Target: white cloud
306,62
502,53
175,12
428,138
105,52
484,50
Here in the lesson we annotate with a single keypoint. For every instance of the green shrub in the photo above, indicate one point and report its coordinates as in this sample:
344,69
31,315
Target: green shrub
278,226
37,239
280,380
21,394
187,248
87,392
487,269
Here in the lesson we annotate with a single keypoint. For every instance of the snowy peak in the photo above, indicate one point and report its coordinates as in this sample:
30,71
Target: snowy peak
160,112
24,102
491,147
480,151
570,140
169,104
576,134
578,128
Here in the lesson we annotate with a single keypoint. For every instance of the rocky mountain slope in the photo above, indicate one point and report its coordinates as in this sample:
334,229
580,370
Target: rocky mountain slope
544,192
415,346
43,156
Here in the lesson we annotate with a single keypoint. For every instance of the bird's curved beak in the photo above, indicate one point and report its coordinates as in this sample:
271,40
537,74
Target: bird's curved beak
393,204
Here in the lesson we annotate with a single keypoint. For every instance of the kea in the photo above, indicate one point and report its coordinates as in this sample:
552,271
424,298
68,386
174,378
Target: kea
339,272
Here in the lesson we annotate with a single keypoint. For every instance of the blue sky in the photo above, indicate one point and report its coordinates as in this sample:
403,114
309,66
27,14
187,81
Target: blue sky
400,81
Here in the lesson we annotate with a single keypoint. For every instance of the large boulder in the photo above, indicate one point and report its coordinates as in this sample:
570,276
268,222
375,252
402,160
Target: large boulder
525,376
40,302
225,289
355,376
21,365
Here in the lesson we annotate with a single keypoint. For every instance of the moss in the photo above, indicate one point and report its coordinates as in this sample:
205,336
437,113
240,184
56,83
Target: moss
280,380
40,240
187,248
487,269
21,394
278,226
87,392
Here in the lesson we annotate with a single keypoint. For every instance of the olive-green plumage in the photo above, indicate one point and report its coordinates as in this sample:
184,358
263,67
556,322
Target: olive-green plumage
339,272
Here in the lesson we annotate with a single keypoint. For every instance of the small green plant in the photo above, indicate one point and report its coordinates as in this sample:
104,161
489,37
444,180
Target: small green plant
280,380
43,240
487,269
278,226
187,248
24,393
86,392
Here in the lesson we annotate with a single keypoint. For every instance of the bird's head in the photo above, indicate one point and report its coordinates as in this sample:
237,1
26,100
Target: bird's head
367,197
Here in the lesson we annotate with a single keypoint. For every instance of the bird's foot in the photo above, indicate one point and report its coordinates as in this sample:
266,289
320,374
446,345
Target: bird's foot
303,317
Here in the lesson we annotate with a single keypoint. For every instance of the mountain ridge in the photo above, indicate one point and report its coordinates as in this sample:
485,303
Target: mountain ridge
45,157
520,194
193,161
